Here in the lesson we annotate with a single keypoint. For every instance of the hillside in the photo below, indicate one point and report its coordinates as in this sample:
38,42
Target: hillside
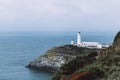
54,58
102,66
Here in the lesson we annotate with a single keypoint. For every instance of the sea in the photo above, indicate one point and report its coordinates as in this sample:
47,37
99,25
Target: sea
17,49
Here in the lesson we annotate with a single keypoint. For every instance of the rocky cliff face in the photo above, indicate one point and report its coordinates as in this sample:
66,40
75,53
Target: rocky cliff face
54,58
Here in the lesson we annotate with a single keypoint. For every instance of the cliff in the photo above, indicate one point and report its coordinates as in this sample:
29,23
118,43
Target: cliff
54,58
103,66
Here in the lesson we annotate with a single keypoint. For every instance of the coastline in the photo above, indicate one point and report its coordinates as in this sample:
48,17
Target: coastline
54,58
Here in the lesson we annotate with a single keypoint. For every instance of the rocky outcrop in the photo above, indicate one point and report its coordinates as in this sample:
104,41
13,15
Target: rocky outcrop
54,58
47,63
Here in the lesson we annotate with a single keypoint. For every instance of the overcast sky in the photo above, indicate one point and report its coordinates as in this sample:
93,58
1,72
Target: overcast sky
60,15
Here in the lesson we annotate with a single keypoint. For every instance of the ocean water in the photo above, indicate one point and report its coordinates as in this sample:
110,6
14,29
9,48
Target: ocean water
18,49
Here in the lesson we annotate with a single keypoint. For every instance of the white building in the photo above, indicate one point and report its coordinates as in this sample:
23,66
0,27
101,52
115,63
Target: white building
87,44
72,42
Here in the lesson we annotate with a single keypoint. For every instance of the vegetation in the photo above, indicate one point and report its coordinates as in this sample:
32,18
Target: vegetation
69,50
117,36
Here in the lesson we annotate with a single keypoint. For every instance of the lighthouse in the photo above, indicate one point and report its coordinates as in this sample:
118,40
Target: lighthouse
80,43
78,38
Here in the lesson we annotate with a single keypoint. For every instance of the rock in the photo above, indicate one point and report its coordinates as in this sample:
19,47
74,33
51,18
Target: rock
47,63
54,58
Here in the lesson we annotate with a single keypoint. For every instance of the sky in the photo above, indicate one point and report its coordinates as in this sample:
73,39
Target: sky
59,15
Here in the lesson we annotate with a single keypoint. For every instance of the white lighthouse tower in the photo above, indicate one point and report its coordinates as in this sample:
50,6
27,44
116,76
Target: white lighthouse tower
78,38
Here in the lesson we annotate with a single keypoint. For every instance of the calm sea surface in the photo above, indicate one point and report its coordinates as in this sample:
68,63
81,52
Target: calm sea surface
17,50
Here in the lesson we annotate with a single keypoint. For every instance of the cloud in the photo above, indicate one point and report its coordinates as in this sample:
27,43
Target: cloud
15,14
42,8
